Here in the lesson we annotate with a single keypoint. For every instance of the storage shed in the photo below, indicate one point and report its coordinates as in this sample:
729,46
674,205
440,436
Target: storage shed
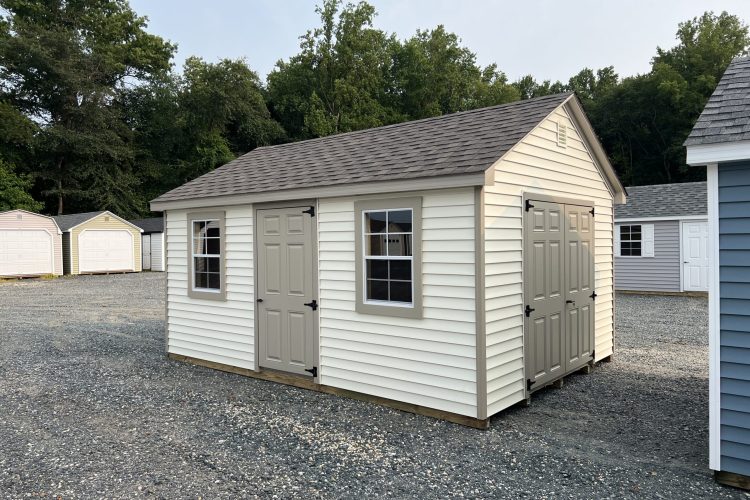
30,244
99,242
152,243
449,266
720,141
661,239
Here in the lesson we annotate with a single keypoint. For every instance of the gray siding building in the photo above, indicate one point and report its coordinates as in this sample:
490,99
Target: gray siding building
720,141
661,239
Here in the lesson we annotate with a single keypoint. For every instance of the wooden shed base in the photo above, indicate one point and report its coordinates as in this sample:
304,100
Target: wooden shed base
732,479
307,383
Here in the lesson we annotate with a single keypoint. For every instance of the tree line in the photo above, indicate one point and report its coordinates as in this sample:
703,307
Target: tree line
94,116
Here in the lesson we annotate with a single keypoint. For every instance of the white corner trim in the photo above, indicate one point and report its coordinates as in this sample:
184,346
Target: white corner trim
706,154
656,219
714,343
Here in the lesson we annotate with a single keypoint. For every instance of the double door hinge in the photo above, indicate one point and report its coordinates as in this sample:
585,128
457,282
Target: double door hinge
593,295
528,310
529,205
310,211
592,211
313,371
312,305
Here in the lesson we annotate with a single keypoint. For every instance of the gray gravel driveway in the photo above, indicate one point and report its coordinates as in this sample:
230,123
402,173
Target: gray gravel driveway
91,407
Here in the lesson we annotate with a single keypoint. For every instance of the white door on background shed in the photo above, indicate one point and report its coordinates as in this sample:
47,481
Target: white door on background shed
695,256
146,251
25,252
102,250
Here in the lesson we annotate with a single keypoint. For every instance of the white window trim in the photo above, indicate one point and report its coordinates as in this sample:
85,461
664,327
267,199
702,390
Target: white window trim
645,228
410,258
199,292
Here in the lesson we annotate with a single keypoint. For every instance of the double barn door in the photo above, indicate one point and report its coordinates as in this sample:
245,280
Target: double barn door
558,290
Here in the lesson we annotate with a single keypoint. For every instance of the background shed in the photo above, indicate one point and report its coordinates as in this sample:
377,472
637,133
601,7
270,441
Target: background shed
30,244
152,243
99,242
661,239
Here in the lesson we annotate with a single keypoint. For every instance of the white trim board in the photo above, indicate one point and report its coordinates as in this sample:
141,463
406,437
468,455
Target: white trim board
706,154
655,219
714,343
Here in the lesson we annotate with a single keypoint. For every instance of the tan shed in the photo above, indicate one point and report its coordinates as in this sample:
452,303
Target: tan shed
30,244
449,266
99,242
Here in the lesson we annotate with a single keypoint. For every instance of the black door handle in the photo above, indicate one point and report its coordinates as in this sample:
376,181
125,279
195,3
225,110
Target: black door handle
570,301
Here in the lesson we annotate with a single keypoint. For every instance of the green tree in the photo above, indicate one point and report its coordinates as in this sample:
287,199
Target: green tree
529,88
340,80
14,191
65,64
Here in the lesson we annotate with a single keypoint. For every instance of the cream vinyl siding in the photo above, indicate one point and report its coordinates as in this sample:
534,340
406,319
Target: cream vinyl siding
32,221
213,330
100,222
157,251
429,361
537,165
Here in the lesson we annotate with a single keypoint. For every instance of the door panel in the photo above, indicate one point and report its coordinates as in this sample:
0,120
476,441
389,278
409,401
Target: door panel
27,251
695,256
146,252
102,250
285,285
543,244
558,284
578,278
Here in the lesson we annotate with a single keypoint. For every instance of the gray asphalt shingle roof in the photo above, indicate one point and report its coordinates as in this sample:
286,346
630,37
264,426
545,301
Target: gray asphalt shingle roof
726,117
459,143
150,225
664,200
65,222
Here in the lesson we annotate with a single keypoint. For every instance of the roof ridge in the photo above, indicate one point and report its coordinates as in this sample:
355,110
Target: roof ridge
419,120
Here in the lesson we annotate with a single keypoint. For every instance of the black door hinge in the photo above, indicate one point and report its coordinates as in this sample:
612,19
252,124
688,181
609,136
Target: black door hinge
592,211
593,295
312,305
529,310
310,211
529,206
529,383
313,371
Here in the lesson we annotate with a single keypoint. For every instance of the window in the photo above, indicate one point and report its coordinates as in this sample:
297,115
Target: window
206,243
630,241
389,257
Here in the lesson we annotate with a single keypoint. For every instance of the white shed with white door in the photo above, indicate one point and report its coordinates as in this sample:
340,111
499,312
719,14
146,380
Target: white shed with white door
448,266
30,244
152,247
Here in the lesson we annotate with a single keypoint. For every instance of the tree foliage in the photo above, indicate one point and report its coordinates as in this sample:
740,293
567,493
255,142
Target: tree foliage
92,115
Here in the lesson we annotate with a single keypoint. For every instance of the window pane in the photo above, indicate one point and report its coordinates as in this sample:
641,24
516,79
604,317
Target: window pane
377,269
624,232
375,244
400,269
201,280
401,291
212,229
200,264
399,245
377,290
199,245
213,246
213,264
634,236
214,281
399,221
375,222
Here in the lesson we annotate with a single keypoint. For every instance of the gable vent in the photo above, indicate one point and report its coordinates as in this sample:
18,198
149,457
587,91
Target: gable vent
106,218
19,216
562,135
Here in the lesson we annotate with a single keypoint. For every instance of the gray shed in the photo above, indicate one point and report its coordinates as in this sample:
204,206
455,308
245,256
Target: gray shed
661,239
720,141
152,243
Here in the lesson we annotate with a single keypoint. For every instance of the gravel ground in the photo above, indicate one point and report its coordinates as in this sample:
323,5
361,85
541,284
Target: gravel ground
91,407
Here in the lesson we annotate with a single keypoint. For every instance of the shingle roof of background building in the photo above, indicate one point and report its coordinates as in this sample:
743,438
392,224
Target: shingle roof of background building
664,200
726,116
65,222
460,143
151,225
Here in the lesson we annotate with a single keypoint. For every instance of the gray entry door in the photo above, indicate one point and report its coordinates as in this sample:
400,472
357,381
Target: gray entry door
579,285
558,284
285,289
146,252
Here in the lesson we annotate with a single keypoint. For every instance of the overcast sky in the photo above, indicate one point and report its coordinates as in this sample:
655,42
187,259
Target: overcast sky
548,39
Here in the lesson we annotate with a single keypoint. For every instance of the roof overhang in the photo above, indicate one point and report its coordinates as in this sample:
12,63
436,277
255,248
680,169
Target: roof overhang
573,105
107,212
363,188
718,152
